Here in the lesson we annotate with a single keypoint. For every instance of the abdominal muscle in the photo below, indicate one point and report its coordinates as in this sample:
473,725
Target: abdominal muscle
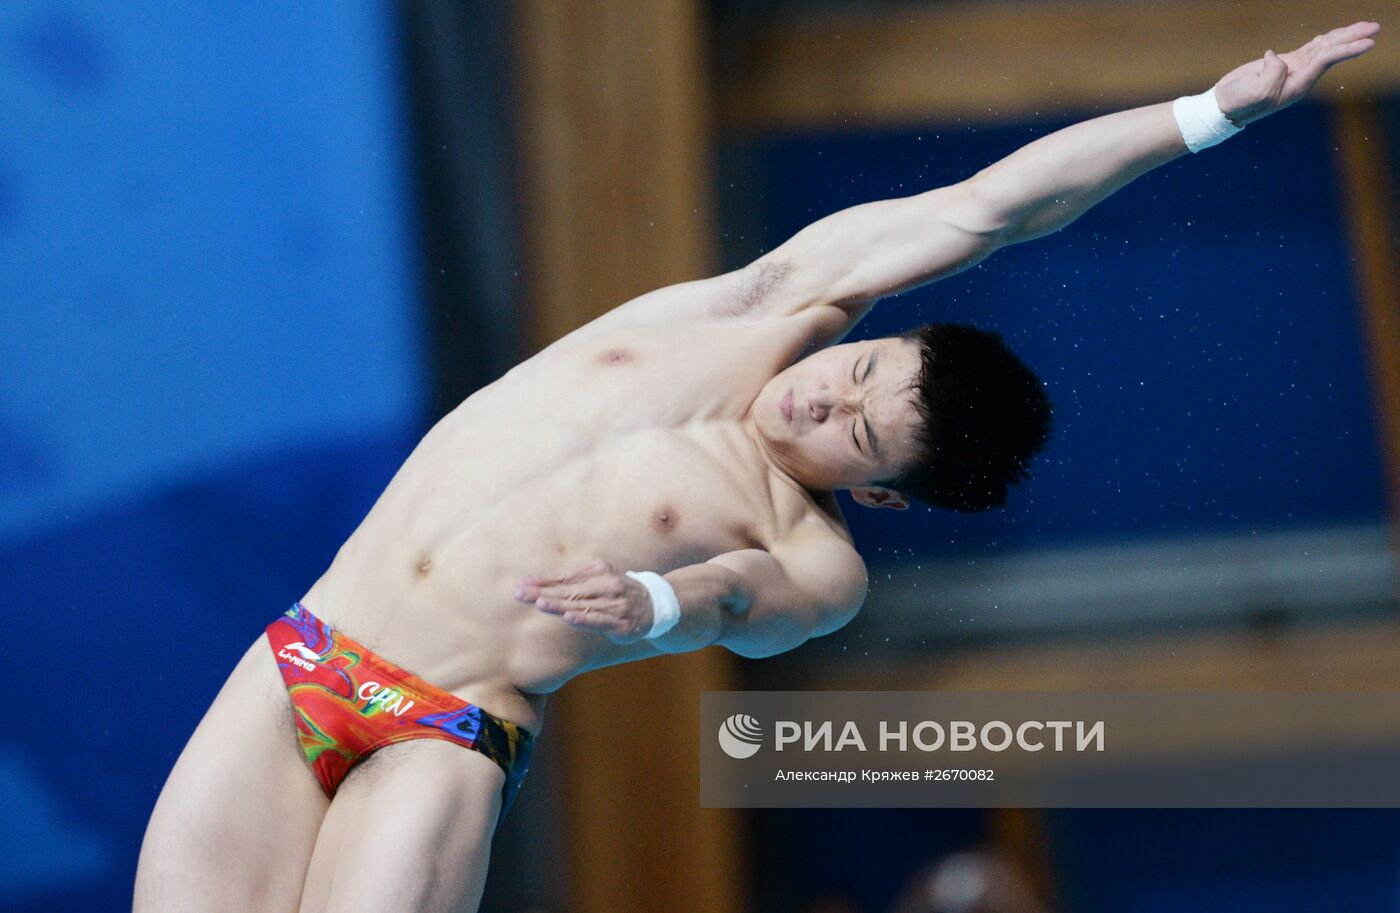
428,579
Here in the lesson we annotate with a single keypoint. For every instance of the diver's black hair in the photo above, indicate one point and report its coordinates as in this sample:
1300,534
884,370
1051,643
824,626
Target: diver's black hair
983,416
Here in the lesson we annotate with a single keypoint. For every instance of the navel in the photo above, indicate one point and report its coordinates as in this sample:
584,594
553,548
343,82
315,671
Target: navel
665,519
616,356
424,565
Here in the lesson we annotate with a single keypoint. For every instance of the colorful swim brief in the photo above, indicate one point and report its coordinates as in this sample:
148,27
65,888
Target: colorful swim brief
349,703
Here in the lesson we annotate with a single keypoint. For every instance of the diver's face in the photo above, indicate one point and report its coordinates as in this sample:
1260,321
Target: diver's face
843,417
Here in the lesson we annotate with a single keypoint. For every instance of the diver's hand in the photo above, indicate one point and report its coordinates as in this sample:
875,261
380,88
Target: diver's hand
597,596
1261,87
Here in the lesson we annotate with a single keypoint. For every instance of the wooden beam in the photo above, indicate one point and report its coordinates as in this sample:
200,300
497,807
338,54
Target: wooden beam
1364,161
1023,836
614,143
970,62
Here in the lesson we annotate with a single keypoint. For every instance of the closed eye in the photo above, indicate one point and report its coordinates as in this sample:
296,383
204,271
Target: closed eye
871,438
855,364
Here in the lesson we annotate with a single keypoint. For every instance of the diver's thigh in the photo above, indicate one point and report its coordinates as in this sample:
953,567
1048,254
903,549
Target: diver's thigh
410,830
236,822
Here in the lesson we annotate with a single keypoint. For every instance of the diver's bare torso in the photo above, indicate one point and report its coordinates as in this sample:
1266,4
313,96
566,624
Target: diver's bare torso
623,441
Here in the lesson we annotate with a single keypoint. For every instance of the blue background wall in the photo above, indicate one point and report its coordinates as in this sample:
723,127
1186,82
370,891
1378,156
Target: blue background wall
211,361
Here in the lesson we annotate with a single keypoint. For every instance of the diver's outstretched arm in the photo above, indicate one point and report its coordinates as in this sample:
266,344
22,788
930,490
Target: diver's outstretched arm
1051,182
851,258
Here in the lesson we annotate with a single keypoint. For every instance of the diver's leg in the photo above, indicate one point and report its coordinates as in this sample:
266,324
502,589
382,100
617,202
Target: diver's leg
410,830
235,825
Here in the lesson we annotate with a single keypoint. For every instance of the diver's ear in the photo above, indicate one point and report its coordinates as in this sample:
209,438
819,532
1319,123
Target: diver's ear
875,496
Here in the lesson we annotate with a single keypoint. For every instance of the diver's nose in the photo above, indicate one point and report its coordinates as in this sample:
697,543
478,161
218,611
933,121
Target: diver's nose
821,406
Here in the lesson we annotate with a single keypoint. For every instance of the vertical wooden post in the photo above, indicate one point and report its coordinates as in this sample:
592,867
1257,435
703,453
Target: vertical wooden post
1023,835
615,144
1369,195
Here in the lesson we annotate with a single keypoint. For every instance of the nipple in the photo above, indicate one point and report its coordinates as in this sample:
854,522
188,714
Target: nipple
665,519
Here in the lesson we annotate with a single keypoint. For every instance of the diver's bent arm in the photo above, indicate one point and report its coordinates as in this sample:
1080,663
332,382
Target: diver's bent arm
779,600
758,603
710,595
755,602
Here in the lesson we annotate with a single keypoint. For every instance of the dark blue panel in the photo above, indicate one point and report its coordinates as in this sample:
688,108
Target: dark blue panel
1283,861
863,855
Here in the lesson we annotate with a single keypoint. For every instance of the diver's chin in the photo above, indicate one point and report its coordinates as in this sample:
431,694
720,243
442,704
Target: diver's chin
770,441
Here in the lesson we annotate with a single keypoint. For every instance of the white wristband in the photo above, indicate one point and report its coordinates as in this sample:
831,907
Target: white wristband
665,607
1201,121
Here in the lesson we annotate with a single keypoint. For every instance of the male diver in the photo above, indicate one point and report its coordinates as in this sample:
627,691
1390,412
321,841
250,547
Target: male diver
657,481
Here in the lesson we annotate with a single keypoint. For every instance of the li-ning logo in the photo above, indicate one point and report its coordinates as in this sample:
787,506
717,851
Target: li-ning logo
304,660
389,699
740,736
